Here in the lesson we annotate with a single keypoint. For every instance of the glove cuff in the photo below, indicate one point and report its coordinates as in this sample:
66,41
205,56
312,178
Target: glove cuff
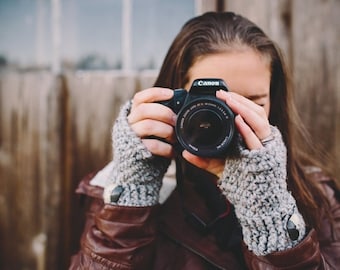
255,183
129,194
136,170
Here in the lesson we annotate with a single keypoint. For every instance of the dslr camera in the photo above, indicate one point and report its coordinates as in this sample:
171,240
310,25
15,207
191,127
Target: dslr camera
205,125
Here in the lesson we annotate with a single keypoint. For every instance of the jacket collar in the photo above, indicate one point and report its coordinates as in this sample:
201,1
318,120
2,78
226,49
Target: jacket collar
189,201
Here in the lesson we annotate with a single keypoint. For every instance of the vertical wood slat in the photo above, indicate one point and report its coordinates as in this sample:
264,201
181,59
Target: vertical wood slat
316,69
95,100
53,132
272,16
202,6
30,186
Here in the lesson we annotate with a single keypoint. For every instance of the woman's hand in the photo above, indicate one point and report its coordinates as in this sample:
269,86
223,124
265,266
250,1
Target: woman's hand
251,122
149,119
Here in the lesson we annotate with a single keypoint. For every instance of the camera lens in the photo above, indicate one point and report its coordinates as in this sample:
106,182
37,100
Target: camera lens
205,127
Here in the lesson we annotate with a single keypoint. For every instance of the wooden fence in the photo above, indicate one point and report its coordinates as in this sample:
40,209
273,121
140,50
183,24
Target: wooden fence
56,129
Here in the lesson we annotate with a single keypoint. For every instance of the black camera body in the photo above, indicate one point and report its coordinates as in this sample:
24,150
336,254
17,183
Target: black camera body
205,125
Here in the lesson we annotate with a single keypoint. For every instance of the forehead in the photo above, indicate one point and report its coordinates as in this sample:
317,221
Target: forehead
245,71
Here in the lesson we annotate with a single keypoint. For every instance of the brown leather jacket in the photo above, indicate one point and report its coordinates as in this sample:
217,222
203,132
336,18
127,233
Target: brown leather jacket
160,237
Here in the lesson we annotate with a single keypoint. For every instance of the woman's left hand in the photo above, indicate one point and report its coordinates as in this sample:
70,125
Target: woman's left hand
251,122
251,119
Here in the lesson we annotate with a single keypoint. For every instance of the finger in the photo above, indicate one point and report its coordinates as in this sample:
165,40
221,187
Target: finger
248,103
253,114
159,148
237,100
154,111
251,140
152,95
148,127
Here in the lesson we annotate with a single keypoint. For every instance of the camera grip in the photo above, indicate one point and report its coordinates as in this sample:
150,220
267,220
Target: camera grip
177,101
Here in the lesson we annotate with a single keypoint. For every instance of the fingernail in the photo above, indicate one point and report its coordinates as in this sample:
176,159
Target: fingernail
167,92
222,94
239,117
174,119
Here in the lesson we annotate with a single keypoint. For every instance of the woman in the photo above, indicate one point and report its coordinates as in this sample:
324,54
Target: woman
269,206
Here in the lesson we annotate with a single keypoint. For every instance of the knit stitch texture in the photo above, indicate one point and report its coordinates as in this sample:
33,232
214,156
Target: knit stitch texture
255,183
135,168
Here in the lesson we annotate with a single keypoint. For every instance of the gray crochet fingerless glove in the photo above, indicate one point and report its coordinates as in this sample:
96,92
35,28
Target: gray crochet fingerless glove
137,174
255,183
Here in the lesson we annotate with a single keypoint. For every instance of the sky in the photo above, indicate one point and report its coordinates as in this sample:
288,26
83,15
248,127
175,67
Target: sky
90,27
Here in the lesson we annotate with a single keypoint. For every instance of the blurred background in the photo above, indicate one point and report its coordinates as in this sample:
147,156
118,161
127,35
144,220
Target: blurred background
87,34
66,66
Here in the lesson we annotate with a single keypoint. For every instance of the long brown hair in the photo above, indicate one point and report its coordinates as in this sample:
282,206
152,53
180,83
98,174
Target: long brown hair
216,32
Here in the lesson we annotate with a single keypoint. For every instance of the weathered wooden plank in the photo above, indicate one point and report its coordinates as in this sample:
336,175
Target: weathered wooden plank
146,79
30,168
316,68
95,100
202,6
272,16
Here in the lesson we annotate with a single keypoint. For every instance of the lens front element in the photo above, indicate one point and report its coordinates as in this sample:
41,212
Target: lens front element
205,127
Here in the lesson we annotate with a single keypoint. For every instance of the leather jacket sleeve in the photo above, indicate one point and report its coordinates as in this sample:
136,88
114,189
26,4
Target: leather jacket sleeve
115,237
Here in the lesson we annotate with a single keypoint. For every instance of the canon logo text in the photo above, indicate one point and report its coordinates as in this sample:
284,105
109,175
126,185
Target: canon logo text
208,83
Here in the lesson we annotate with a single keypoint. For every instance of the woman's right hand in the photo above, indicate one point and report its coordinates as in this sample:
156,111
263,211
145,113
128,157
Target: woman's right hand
149,119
